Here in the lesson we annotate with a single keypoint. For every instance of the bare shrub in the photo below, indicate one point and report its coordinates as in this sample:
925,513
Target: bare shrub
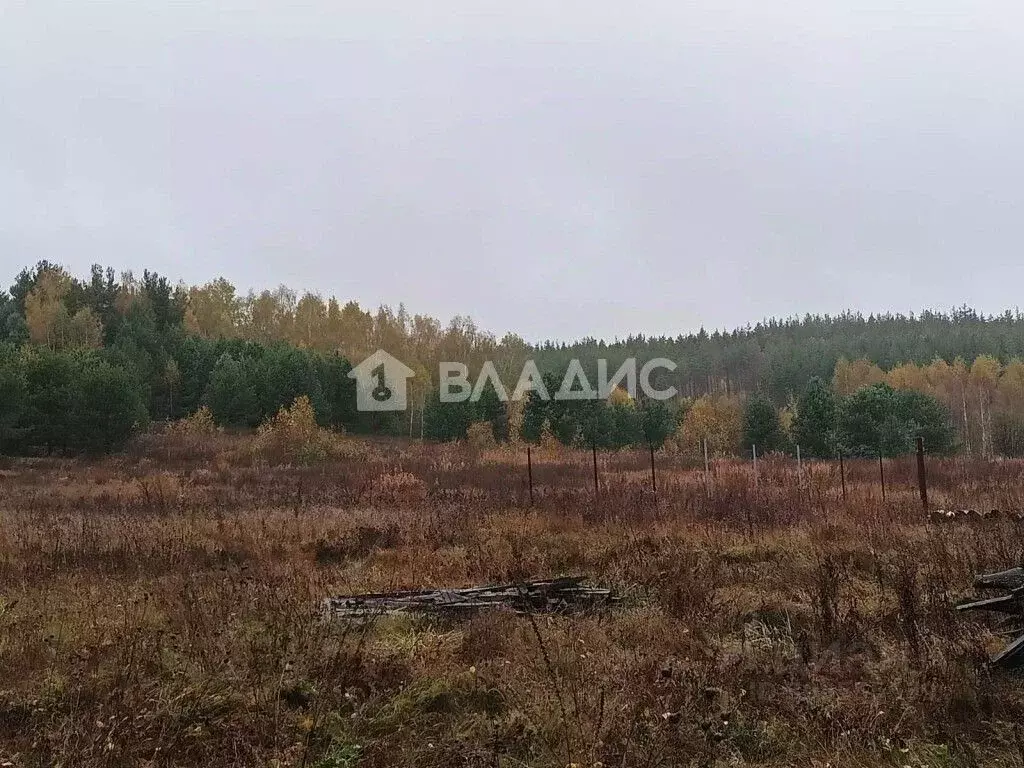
194,436
199,424
480,435
294,437
400,486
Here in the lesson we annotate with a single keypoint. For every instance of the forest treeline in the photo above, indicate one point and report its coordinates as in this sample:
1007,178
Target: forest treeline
86,361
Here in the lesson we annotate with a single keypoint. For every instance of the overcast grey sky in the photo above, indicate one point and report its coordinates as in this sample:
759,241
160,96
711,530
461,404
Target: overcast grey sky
555,168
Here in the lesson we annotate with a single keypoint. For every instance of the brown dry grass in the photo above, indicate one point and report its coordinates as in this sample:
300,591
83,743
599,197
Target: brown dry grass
161,608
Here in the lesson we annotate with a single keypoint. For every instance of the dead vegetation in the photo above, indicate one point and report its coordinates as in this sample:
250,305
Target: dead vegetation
161,608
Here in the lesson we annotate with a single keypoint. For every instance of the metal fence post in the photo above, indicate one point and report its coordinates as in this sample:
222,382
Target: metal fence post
529,472
842,474
799,469
922,477
707,469
881,473
654,477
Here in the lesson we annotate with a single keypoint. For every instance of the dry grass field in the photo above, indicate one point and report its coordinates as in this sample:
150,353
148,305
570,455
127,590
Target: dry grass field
162,608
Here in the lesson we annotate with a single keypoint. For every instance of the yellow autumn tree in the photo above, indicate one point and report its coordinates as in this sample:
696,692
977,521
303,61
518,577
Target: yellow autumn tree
419,388
84,330
984,378
310,329
619,396
851,376
214,311
49,322
717,419
1010,388
44,305
941,379
263,318
960,375
1008,411
909,376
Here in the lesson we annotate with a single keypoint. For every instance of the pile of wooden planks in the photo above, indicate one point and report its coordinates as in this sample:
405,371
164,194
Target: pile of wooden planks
561,595
1010,603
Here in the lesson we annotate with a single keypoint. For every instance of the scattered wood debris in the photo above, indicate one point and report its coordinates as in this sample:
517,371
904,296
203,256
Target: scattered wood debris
1011,603
563,595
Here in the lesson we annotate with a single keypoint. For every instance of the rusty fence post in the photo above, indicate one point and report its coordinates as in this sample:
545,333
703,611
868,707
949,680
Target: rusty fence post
707,469
922,477
654,477
881,473
799,471
529,472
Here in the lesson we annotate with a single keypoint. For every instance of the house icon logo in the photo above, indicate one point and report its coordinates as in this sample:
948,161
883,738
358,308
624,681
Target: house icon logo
381,382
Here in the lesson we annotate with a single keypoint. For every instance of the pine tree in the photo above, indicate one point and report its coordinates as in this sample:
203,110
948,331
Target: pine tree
814,426
761,425
231,394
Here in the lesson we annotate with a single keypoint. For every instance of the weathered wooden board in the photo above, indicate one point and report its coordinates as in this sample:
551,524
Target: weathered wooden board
562,595
1011,582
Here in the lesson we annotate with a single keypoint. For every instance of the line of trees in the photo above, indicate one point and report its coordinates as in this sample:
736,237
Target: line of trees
95,399
617,422
173,348
875,419
86,364
776,357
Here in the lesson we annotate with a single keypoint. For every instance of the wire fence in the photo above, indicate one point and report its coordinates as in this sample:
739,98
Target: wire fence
709,473
642,484
772,487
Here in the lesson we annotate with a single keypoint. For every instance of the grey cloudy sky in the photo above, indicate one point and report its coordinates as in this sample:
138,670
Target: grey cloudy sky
555,168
